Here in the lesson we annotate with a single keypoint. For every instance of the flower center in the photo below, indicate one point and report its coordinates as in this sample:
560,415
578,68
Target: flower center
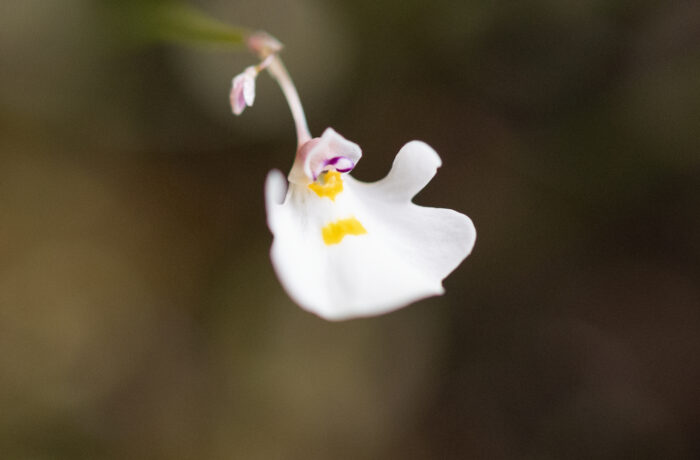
329,184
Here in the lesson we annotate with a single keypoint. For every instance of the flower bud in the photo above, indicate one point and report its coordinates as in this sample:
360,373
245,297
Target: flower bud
243,90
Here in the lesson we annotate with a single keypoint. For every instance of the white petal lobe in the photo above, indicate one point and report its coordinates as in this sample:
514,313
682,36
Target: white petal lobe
275,190
414,166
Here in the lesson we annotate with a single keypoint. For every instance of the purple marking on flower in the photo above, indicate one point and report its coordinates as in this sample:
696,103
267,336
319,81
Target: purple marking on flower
340,163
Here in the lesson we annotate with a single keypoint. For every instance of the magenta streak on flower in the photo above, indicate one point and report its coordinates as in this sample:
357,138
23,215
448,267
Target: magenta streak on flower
340,164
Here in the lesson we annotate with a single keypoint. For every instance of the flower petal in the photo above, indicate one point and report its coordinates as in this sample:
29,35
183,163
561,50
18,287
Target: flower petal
435,239
414,166
275,190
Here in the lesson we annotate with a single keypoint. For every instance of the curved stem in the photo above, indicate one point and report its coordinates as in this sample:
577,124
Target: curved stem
280,74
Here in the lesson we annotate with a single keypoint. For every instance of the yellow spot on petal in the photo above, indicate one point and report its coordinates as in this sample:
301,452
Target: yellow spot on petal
334,232
329,184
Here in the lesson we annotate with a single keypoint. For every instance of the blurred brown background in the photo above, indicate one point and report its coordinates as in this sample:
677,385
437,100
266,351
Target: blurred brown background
139,313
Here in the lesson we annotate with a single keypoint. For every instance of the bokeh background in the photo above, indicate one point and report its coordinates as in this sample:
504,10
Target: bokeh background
140,316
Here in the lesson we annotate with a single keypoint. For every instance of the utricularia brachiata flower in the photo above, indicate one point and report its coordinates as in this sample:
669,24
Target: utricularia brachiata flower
344,248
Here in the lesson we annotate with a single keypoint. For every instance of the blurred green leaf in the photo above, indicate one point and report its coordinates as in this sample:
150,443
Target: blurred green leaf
175,21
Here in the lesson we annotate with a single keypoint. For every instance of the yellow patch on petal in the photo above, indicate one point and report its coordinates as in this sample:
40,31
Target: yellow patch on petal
334,232
329,185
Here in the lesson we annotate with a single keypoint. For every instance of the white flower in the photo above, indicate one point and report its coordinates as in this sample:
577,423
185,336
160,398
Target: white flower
343,248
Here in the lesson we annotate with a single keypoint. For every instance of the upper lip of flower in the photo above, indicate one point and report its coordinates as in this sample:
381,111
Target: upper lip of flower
330,151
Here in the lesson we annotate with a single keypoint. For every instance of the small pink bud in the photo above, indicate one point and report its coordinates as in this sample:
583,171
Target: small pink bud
243,90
